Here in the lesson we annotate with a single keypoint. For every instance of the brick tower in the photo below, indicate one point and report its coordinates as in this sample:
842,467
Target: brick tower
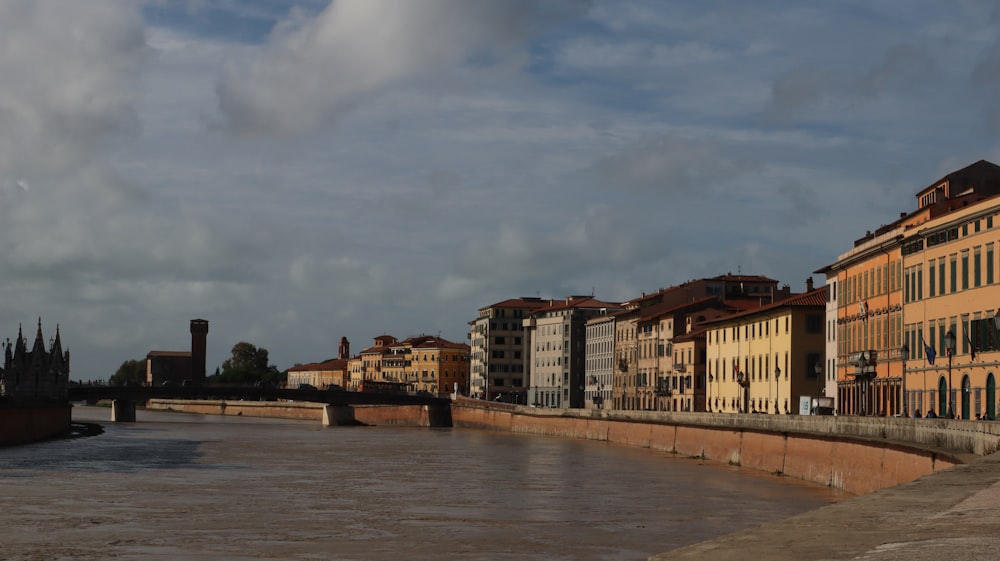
199,343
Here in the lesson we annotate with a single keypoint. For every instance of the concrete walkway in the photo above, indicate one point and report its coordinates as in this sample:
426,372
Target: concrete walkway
952,515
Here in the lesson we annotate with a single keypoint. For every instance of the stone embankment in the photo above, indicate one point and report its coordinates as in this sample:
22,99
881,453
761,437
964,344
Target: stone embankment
23,424
856,454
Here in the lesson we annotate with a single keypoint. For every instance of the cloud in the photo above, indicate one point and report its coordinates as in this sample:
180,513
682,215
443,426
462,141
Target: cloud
64,93
314,68
669,166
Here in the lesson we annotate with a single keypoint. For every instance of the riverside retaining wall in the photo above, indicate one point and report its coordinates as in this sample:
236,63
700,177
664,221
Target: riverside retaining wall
858,455
19,425
395,415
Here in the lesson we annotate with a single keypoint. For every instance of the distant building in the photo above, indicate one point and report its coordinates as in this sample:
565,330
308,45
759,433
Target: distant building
324,374
497,346
34,375
644,377
421,363
556,340
178,366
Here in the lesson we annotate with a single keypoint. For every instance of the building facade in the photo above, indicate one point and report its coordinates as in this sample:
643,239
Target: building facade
600,361
763,360
556,335
498,350
916,303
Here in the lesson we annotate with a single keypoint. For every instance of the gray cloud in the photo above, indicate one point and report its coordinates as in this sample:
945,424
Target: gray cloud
312,69
669,166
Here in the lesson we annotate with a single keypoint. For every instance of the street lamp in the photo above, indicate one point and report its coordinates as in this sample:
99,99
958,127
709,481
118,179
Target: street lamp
777,389
818,369
744,381
949,346
904,354
862,375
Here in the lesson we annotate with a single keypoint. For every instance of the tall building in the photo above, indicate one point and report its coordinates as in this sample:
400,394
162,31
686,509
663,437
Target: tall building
556,337
179,366
498,350
917,302
600,361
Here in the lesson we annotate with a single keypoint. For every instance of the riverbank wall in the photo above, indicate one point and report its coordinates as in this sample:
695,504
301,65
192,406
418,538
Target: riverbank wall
856,454
24,424
378,415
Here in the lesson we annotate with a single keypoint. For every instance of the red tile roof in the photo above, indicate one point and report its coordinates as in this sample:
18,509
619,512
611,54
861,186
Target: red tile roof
334,364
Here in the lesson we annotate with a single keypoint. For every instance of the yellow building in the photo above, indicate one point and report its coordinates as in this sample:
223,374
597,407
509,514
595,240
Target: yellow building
916,301
437,365
764,359
323,375
422,363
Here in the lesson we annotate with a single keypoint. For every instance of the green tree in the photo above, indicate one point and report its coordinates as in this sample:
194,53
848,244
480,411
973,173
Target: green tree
246,356
132,372
247,365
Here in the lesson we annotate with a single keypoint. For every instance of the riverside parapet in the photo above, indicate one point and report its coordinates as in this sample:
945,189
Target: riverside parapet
856,454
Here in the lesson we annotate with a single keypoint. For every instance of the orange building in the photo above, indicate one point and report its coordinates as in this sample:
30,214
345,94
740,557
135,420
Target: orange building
916,301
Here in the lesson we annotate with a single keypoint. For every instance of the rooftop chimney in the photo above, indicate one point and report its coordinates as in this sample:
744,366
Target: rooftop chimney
809,284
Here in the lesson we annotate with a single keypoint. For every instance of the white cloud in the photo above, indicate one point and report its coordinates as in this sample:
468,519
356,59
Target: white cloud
312,69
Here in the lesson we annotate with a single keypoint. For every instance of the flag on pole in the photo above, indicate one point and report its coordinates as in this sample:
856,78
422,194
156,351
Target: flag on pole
928,350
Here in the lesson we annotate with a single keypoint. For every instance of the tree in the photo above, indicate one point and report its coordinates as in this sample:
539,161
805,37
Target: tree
131,372
246,356
247,365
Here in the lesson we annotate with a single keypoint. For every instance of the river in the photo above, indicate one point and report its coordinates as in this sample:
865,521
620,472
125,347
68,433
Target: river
177,486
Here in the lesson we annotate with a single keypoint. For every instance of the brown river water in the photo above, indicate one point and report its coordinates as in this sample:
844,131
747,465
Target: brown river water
175,486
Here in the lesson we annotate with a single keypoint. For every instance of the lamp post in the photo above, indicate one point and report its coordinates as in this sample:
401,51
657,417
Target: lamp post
744,381
949,345
904,355
818,369
863,377
777,389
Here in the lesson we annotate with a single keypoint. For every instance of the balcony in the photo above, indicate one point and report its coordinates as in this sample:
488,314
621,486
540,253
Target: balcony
870,358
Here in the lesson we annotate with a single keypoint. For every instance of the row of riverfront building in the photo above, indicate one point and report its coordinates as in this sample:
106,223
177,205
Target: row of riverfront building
907,322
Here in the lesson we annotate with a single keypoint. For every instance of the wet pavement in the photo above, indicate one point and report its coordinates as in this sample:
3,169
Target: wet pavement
953,514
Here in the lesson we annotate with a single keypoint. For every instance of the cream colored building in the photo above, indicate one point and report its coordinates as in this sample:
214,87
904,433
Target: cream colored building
556,335
763,360
600,361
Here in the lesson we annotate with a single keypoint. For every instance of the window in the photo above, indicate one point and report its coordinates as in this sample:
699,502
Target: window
930,282
977,266
965,270
954,274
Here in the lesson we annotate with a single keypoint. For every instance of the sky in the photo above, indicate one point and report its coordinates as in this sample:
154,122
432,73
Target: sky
295,171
